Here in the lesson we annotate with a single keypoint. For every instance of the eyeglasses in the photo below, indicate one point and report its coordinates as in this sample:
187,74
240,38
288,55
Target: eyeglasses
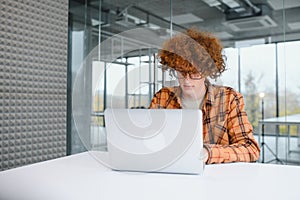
183,75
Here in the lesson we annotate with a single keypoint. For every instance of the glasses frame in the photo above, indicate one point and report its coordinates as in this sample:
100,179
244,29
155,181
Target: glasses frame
185,74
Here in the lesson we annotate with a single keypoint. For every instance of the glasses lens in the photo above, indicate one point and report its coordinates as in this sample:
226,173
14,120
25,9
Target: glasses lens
195,76
182,75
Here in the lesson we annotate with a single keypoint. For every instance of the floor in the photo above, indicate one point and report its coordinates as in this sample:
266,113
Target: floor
284,156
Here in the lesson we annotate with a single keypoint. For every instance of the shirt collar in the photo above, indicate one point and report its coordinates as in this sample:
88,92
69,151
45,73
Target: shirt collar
208,99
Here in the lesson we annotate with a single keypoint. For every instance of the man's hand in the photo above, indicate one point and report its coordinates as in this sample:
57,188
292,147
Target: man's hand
205,155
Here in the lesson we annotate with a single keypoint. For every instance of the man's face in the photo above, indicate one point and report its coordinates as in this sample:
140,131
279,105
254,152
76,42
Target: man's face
192,84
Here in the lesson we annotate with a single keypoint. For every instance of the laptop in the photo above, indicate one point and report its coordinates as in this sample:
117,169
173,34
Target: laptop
155,140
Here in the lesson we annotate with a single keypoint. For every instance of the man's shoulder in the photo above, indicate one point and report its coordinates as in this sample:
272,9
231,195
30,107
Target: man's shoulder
168,90
165,98
225,90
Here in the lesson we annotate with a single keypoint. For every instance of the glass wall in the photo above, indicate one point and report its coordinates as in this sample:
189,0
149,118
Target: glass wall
113,58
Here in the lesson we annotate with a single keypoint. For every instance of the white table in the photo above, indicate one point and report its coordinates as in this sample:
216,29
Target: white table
289,120
81,177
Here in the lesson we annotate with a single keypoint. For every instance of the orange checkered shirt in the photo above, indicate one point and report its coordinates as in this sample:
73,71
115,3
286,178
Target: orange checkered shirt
227,132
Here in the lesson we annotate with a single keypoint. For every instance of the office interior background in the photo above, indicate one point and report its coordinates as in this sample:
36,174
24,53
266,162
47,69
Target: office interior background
63,62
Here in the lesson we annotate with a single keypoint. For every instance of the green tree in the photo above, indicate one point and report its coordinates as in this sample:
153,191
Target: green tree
252,100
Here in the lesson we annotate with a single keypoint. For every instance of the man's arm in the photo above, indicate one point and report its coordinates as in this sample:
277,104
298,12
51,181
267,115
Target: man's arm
242,145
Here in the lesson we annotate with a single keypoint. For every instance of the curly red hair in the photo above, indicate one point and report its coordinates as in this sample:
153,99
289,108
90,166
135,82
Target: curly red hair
193,51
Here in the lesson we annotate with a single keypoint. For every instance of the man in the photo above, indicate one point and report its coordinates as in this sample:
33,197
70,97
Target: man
191,57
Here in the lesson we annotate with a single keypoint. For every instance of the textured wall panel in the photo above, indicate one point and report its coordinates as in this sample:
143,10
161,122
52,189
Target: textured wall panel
33,81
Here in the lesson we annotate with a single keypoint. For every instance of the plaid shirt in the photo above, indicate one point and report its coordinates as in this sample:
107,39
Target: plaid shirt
227,132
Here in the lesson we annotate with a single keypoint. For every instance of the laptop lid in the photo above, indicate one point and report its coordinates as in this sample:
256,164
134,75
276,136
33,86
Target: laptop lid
155,140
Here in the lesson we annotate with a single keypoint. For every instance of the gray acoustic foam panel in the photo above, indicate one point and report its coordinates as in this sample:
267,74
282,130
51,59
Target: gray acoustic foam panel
33,81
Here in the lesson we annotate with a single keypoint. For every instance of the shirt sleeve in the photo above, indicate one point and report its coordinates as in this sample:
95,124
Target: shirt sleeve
164,98
157,100
242,145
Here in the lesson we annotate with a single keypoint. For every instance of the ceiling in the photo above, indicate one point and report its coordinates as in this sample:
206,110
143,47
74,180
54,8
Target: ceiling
231,20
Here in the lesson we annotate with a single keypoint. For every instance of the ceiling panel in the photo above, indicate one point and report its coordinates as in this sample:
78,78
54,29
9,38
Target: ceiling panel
280,4
156,13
